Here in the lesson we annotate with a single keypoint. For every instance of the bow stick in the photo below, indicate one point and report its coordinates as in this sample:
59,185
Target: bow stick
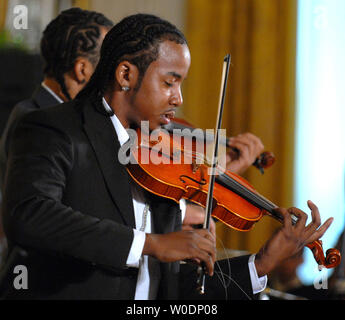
214,163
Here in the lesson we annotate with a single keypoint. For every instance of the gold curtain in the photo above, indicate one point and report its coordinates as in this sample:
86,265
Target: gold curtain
3,12
83,4
261,37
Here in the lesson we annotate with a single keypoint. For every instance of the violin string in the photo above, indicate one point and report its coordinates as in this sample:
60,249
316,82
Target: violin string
225,276
224,283
245,192
195,155
235,282
222,280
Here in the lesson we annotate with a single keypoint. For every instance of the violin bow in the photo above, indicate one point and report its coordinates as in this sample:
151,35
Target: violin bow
214,163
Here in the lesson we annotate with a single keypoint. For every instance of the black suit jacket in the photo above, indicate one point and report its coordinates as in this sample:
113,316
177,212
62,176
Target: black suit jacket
67,201
40,99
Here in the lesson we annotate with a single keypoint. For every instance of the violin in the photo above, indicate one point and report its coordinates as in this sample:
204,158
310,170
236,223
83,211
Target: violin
174,172
264,161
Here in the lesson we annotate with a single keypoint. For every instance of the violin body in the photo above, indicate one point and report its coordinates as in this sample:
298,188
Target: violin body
189,180
165,168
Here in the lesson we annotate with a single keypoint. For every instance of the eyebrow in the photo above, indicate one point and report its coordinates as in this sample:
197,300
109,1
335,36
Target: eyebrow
174,74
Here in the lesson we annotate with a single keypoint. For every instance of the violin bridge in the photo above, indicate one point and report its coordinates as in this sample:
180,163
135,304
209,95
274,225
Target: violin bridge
195,166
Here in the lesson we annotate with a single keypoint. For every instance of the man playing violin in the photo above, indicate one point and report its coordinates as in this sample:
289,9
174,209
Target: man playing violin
91,232
56,89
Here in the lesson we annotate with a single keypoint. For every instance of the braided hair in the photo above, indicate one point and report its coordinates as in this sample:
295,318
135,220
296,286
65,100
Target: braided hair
135,39
73,33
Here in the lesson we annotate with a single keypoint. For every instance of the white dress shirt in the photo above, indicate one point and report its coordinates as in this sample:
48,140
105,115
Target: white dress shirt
52,92
148,279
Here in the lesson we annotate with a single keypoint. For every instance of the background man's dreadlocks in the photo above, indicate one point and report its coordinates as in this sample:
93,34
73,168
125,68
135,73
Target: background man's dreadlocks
73,33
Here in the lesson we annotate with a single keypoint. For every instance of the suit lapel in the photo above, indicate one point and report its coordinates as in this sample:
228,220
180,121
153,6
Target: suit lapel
104,141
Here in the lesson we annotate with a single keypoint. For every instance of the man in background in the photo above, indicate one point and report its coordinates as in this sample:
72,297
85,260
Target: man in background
70,51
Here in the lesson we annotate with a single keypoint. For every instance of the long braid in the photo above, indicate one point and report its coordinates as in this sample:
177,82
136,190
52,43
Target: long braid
136,39
73,33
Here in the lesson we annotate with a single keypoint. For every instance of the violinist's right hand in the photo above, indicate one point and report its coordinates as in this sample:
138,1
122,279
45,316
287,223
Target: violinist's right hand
195,215
197,245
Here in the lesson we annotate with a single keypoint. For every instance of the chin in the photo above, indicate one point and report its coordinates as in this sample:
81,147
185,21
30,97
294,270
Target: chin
155,127
145,125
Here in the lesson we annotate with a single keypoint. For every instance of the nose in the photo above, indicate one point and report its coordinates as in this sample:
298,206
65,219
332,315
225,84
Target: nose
176,98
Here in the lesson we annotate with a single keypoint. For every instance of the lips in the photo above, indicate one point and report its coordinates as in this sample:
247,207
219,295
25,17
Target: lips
167,116
170,114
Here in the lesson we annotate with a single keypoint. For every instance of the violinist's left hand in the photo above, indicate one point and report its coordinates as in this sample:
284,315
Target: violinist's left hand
290,239
195,215
249,147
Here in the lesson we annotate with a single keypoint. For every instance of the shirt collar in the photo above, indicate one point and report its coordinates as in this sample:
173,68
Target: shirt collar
52,92
119,128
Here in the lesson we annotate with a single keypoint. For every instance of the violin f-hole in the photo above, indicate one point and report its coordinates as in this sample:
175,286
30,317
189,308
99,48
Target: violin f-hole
202,182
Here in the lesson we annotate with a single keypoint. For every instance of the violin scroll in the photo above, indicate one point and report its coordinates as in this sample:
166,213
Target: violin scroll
264,161
332,258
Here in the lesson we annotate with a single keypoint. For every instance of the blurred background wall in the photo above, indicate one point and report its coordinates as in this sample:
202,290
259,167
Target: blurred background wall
263,96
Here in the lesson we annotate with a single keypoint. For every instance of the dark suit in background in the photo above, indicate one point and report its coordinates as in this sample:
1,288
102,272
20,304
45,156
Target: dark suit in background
68,202
40,99
20,74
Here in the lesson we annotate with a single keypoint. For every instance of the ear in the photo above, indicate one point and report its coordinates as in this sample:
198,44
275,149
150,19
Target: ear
82,70
126,74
